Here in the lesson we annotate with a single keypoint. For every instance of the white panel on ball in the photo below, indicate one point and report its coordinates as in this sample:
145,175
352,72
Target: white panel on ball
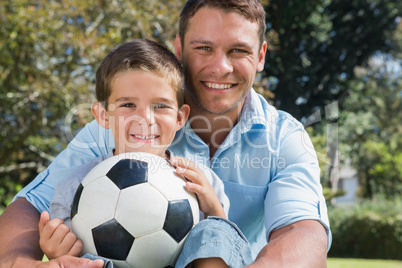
134,211
82,231
148,251
100,195
99,170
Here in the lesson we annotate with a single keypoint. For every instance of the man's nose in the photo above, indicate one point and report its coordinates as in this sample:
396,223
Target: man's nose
221,64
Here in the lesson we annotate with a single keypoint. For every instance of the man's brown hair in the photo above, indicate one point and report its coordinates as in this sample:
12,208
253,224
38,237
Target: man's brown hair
251,10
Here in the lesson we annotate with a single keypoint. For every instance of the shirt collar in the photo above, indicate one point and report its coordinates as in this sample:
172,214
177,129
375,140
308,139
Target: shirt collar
253,113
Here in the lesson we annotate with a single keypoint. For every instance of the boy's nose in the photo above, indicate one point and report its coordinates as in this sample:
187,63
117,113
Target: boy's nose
148,115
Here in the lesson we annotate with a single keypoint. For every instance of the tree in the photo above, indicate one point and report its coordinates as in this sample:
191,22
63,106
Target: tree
49,51
371,132
315,45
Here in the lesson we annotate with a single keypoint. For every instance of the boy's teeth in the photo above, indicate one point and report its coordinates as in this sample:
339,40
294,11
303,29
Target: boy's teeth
219,86
145,137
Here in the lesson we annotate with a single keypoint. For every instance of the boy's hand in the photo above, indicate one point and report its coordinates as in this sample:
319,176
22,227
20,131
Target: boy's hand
197,182
56,239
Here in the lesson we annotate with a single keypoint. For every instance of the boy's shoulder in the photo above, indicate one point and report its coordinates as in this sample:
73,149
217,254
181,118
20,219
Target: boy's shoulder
79,173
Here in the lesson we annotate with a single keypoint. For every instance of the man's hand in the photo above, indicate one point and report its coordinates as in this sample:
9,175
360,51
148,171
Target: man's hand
56,239
71,262
197,182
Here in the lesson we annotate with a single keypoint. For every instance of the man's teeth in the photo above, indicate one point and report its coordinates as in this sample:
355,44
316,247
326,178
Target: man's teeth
219,86
145,137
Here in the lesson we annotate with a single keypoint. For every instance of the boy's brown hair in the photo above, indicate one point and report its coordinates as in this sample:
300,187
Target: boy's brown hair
139,55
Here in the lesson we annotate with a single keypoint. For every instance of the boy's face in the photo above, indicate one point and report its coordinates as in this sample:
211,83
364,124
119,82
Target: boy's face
142,113
220,55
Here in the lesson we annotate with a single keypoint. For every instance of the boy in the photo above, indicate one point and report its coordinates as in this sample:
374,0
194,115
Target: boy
139,90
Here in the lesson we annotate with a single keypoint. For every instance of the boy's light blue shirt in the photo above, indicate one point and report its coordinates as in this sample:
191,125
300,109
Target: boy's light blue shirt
267,163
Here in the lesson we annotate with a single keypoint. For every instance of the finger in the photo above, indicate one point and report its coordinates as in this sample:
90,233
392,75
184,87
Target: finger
190,175
70,261
61,232
183,163
44,219
96,264
50,228
76,248
193,187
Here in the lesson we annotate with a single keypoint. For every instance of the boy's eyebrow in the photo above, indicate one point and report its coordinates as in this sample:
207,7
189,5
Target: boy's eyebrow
158,99
161,99
124,99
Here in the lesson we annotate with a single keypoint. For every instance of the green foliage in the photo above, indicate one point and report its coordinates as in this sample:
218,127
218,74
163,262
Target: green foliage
369,229
371,133
314,47
49,51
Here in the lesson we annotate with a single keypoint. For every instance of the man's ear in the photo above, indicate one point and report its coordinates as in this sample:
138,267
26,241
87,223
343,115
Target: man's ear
182,116
177,47
261,57
100,113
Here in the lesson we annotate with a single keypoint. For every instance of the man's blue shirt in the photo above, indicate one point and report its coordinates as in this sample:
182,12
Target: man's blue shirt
267,163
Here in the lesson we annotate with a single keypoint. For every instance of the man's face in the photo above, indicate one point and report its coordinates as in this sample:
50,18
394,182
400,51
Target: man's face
221,56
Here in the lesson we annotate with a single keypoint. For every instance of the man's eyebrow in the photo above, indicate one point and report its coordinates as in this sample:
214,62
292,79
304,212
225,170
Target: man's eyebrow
242,45
200,41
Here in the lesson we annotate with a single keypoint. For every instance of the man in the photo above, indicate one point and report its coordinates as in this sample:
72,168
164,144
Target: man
263,156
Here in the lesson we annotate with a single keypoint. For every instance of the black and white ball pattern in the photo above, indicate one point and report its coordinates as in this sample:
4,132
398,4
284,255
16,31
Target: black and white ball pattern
133,209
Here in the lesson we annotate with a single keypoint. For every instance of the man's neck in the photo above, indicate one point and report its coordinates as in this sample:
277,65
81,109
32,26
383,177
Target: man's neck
213,128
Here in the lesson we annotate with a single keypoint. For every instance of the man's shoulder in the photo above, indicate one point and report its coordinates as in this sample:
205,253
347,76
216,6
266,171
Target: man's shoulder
274,116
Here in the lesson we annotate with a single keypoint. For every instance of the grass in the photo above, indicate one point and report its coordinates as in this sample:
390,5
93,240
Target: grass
362,263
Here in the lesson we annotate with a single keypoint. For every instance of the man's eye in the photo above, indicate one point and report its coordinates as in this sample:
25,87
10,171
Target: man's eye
239,51
204,48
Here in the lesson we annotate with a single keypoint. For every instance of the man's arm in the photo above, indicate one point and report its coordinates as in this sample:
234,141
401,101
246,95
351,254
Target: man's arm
19,235
301,244
19,240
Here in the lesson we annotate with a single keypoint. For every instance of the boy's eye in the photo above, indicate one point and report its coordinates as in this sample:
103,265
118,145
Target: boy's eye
129,105
161,106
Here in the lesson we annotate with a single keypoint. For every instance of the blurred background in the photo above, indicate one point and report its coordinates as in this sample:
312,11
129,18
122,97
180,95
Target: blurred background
333,64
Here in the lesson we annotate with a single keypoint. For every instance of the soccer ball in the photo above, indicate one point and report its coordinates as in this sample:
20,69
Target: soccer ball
133,209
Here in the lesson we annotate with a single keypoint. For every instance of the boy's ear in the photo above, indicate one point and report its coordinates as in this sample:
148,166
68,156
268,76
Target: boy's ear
100,113
177,48
182,116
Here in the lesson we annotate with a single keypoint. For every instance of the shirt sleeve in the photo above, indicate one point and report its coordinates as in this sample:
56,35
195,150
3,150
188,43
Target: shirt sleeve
91,142
295,193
